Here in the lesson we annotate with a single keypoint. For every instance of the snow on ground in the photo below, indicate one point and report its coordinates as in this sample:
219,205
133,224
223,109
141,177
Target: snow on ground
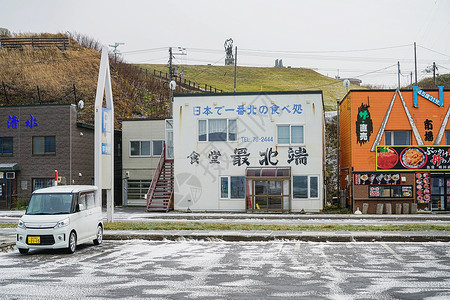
137,269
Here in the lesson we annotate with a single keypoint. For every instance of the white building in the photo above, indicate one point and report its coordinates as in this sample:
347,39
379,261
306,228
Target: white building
249,151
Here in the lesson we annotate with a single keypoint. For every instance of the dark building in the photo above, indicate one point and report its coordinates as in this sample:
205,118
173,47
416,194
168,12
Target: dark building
35,141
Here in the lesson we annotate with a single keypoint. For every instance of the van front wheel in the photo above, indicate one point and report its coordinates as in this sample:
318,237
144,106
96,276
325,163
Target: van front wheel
23,250
72,242
99,238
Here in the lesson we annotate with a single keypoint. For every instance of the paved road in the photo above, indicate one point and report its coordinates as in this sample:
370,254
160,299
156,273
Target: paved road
137,269
134,214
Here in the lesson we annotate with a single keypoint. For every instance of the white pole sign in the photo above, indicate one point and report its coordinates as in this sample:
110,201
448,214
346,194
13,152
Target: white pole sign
104,136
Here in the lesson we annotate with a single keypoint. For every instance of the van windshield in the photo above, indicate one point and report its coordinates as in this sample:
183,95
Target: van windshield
50,204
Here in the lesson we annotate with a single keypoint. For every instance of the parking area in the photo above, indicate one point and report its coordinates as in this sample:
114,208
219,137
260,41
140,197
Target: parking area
230,270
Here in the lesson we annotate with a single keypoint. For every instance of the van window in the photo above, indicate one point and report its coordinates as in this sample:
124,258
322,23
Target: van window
90,200
82,202
49,204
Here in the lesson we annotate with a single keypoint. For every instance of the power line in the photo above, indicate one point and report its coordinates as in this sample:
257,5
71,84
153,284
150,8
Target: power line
433,51
327,51
132,52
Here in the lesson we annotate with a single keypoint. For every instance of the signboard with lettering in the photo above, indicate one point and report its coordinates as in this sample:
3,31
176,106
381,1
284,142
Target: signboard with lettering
413,158
425,95
364,126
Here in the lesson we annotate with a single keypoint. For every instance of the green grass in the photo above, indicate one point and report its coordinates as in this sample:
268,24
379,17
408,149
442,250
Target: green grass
255,79
8,225
272,227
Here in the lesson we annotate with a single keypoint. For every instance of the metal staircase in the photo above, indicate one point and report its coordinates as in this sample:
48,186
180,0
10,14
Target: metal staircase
160,192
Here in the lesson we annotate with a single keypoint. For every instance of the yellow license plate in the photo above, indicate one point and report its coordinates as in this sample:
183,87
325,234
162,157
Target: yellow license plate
34,240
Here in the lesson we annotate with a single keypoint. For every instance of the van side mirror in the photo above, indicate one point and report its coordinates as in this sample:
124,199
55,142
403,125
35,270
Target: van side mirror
77,208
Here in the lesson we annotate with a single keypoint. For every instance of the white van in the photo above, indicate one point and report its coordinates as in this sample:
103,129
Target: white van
61,217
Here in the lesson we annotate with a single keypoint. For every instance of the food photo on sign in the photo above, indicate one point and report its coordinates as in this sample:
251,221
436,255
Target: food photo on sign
413,158
423,187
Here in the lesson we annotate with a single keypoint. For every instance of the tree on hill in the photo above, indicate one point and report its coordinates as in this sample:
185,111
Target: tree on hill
441,80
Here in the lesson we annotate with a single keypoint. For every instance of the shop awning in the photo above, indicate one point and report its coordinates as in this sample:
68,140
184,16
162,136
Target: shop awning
269,172
9,167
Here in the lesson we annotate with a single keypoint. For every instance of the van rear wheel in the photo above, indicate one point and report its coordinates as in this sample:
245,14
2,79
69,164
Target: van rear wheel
99,238
72,242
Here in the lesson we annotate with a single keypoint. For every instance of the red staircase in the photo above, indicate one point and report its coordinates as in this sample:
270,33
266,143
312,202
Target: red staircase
160,192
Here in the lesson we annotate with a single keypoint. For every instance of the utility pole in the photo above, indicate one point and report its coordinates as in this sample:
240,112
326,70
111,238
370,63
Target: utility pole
170,64
235,67
398,74
415,60
116,44
411,79
434,73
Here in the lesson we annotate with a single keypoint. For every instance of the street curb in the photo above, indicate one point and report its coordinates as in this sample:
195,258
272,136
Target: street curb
290,236
266,236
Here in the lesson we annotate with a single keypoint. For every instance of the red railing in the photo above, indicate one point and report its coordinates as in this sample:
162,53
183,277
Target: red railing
158,170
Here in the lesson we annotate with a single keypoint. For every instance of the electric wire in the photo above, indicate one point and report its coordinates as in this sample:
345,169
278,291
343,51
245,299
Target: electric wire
433,51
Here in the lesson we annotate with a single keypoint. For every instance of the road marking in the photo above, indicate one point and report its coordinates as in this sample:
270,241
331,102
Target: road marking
398,257
295,252
280,250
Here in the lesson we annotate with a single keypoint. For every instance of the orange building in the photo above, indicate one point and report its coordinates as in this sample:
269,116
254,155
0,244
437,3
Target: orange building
395,150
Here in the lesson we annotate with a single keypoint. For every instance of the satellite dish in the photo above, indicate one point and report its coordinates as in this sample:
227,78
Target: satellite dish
80,104
173,85
346,84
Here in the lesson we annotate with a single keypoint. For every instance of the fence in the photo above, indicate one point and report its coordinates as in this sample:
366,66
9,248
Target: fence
11,95
36,42
191,85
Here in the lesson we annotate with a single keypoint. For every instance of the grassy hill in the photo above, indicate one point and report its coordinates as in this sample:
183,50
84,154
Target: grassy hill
49,75
255,79
441,80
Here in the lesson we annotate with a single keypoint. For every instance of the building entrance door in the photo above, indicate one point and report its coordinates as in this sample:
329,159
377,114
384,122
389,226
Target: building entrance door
268,194
169,138
268,189
5,193
440,192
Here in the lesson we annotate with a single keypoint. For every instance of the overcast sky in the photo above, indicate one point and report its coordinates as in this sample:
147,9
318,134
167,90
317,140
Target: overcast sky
349,38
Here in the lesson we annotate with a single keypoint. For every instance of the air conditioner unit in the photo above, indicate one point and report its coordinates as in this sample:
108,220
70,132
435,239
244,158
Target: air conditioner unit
10,175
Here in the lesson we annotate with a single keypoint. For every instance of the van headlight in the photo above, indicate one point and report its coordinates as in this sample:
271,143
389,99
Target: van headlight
21,224
62,223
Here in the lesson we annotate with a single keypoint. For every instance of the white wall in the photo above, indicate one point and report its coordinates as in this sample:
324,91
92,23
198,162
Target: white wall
197,185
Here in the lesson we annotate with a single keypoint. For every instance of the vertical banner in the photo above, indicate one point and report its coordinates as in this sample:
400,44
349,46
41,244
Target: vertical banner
104,136
107,148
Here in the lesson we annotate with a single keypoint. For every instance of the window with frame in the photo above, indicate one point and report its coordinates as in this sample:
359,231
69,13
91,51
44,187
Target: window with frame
44,145
217,130
6,145
397,137
232,187
40,183
390,191
139,148
290,134
305,186
157,148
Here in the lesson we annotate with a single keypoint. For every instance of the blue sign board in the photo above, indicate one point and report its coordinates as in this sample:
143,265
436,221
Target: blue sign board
106,149
417,91
106,118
